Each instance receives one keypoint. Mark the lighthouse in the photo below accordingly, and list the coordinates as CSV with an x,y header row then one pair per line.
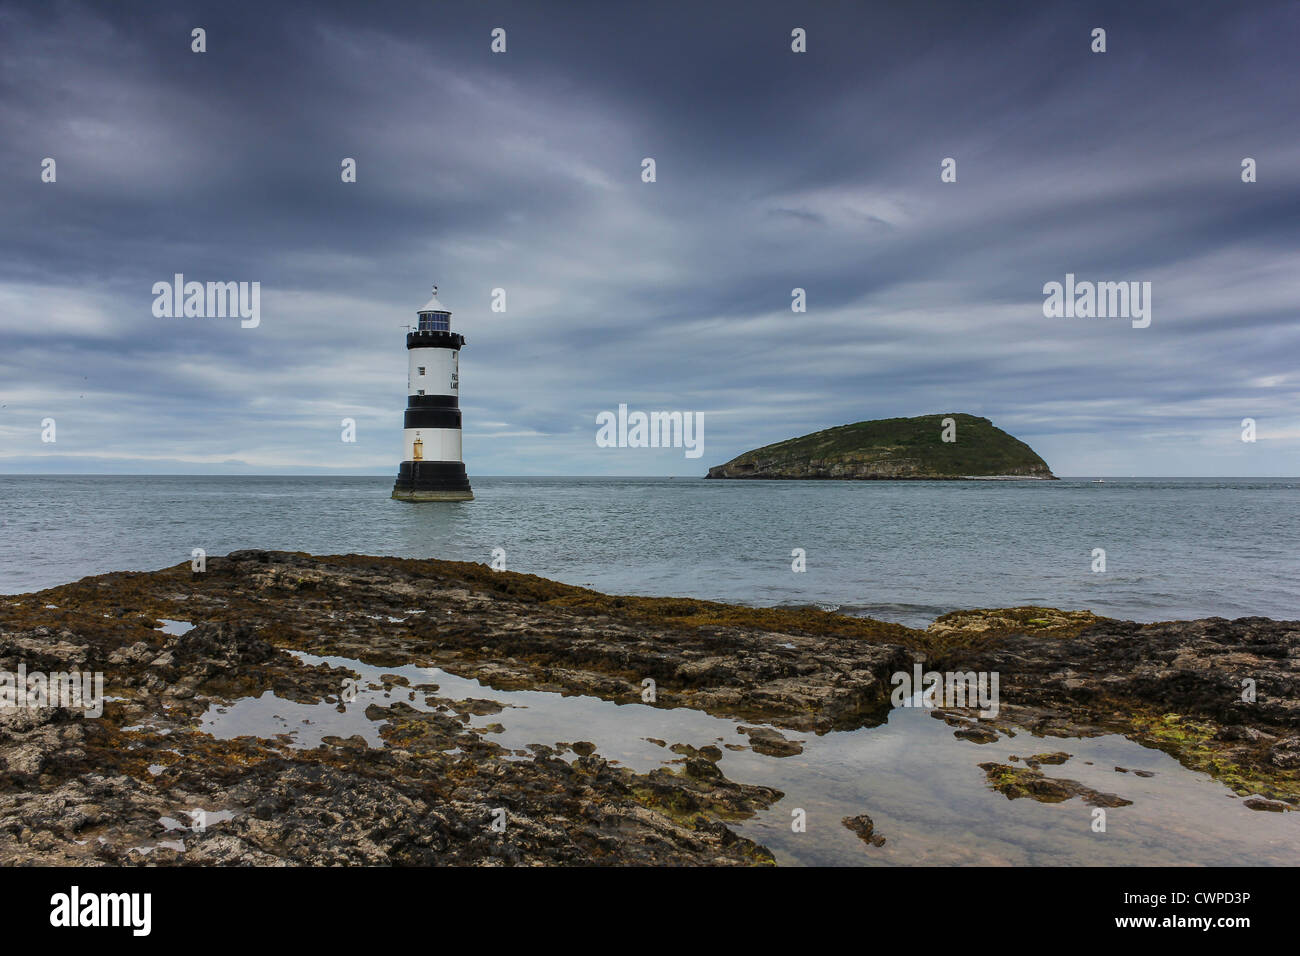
x,y
431,468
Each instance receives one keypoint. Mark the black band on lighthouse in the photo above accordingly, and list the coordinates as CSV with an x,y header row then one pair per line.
x,y
409,471
432,401
432,418
433,477
434,339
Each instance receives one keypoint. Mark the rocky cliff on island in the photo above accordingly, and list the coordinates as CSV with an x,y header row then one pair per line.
x,y
945,447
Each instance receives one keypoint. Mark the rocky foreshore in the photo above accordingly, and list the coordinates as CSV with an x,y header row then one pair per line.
x,y
108,790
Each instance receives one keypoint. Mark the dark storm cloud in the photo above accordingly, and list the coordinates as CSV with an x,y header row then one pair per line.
x,y
522,171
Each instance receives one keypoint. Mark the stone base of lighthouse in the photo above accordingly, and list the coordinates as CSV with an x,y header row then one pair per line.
x,y
432,481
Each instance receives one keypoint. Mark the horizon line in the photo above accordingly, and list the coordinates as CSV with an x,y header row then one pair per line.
x,y
143,474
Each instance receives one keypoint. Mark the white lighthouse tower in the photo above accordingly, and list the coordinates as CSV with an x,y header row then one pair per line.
x,y
431,467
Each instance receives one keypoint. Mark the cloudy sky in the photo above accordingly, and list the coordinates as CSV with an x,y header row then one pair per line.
x,y
523,171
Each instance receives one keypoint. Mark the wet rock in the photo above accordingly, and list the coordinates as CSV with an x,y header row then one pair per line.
x,y
137,653
1136,773
702,769
1242,733
1054,758
221,642
771,743
708,752
1173,685
1274,806
1017,782
976,734
1285,754
865,828
478,707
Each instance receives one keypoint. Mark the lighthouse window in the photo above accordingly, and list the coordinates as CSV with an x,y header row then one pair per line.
x,y
420,392
421,372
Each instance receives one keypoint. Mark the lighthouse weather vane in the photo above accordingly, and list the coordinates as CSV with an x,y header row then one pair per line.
x,y
431,468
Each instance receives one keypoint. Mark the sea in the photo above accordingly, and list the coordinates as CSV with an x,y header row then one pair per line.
x,y
1174,548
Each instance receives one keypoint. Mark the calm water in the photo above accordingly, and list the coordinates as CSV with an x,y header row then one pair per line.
x,y
922,787
903,551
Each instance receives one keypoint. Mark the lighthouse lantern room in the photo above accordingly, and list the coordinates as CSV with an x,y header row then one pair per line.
x,y
431,468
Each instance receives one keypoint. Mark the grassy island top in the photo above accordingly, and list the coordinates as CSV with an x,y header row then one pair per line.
x,y
893,448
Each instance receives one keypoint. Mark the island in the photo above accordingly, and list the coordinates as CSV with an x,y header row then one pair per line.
x,y
944,447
